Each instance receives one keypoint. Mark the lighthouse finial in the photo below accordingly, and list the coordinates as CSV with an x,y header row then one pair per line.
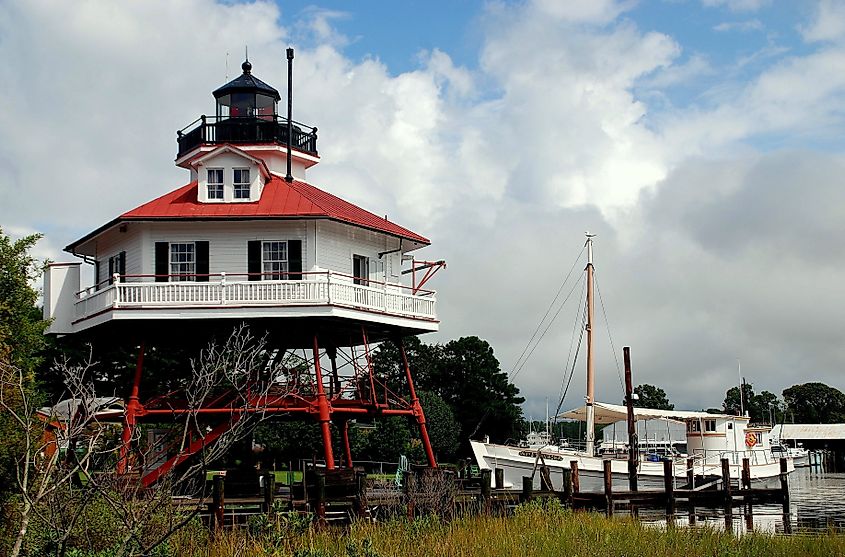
x,y
246,66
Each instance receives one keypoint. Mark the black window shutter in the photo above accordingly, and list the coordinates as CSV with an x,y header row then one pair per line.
x,y
111,270
162,257
97,274
253,264
202,261
295,259
121,267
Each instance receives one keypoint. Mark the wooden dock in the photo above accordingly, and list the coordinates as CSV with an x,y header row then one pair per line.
x,y
343,495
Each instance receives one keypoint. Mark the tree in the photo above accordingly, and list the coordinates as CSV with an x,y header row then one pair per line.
x,y
442,426
21,323
815,403
471,381
21,343
732,403
760,408
466,375
652,397
54,469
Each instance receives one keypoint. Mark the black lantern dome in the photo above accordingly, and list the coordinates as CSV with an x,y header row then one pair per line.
x,y
246,113
246,97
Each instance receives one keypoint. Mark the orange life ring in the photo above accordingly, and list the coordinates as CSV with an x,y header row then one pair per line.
x,y
750,439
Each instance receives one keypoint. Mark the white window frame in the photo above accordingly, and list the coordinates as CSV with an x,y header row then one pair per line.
x,y
218,187
709,426
241,187
182,271
274,269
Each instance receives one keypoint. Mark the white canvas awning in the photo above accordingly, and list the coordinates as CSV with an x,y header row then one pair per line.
x,y
609,413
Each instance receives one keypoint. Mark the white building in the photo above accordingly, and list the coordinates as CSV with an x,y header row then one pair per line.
x,y
239,241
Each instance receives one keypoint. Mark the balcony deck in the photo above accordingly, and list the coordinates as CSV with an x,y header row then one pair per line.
x,y
212,130
322,294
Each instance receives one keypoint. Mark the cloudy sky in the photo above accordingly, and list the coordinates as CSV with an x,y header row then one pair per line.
x,y
701,140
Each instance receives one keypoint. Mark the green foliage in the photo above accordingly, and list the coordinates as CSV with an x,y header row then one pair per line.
x,y
441,424
21,324
21,342
289,440
466,375
390,438
652,397
85,524
761,408
814,403
539,528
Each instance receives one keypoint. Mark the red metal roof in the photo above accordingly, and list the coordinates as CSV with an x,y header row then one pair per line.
x,y
279,199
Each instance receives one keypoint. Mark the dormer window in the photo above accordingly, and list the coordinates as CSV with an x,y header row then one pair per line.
x,y
241,183
215,183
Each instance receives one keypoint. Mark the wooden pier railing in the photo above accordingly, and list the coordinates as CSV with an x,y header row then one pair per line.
x,y
344,494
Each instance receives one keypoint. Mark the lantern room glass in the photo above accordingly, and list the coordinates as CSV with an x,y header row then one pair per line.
x,y
246,105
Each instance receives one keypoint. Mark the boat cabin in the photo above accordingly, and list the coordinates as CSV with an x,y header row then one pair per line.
x,y
710,436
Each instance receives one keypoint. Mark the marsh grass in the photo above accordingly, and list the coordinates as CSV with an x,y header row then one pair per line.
x,y
533,530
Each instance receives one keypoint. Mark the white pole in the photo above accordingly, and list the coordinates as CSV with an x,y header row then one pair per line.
x,y
739,373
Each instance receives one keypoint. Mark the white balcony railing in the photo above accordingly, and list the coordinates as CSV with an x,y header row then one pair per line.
x,y
324,288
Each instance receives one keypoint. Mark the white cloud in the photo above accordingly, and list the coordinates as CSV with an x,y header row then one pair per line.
x,y
737,5
741,26
828,23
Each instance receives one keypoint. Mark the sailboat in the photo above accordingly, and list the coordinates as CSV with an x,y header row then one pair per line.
x,y
710,438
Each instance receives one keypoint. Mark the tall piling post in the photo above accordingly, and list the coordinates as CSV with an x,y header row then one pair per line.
x,y
633,450
784,485
726,487
669,486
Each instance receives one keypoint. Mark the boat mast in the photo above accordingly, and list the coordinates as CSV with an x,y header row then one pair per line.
x,y
590,398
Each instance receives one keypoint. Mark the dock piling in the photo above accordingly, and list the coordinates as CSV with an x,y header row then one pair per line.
x,y
527,488
567,487
486,476
268,490
500,478
608,487
784,486
726,488
669,486
576,483
218,501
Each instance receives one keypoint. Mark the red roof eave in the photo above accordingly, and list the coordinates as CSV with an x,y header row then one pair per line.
x,y
279,200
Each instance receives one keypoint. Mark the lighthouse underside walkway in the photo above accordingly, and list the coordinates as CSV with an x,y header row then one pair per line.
x,y
329,384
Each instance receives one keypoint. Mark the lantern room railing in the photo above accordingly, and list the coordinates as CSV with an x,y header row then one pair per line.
x,y
222,290
211,130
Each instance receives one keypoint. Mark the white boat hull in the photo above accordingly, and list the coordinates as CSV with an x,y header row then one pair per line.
x,y
517,462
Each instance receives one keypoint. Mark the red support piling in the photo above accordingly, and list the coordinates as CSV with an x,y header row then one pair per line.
x,y
129,413
323,408
347,449
417,408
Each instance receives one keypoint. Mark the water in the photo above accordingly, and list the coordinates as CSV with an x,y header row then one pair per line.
x,y
817,503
